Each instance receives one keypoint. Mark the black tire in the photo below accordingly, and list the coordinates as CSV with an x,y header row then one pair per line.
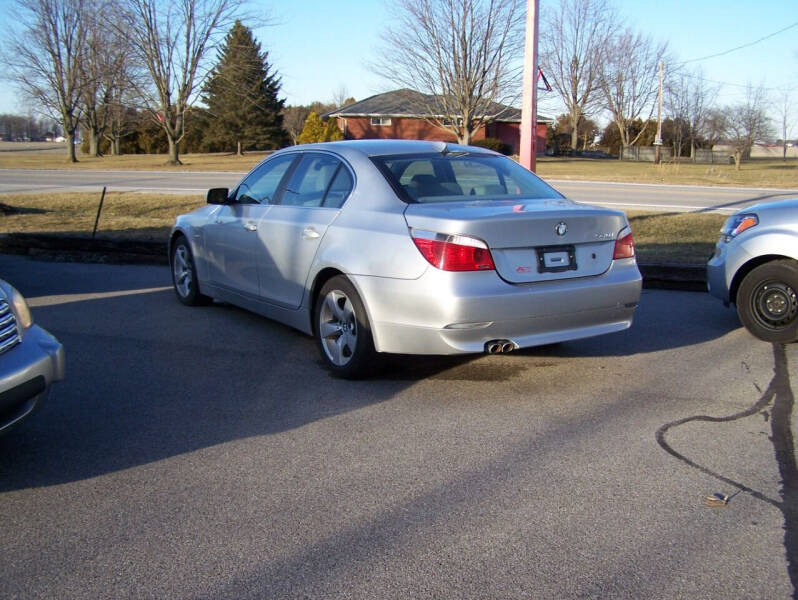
x,y
767,302
184,274
342,331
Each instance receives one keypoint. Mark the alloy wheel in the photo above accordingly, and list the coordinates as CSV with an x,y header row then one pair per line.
x,y
338,327
182,271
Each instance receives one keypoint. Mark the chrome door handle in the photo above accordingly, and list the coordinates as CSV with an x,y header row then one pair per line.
x,y
309,233
251,226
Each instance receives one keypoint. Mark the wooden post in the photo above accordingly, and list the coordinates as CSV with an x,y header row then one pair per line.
x,y
529,117
99,210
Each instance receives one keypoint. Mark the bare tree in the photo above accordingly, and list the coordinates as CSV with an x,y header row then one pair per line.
x,y
630,81
171,38
688,98
105,72
785,108
294,121
340,96
746,122
45,57
715,126
573,41
461,52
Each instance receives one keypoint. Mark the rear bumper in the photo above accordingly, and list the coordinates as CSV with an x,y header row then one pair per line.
x,y
26,373
452,313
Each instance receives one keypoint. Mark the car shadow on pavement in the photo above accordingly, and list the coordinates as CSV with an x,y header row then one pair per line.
x,y
148,378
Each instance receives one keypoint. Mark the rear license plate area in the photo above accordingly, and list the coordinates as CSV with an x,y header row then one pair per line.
x,y
556,259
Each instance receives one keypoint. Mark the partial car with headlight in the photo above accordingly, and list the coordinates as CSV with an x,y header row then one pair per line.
x,y
408,247
755,266
31,359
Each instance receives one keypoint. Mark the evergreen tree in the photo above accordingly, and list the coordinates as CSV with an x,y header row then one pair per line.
x,y
242,97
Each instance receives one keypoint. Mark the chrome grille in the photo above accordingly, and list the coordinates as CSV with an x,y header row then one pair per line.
x,y
9,334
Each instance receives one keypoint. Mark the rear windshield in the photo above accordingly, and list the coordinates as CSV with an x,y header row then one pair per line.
x,y
459,176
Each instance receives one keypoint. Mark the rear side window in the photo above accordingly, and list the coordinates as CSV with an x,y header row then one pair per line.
x,y
318,180
339,189
310,180
460,176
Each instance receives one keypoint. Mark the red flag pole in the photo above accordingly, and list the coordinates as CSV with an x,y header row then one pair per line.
x,y
529,118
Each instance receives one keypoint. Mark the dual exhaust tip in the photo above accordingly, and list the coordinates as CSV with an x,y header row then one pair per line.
x,y
499,346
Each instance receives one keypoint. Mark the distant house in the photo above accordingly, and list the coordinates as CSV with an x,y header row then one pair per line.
x,y
405,114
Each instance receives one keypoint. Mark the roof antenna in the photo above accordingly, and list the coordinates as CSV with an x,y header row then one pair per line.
x,y
442,147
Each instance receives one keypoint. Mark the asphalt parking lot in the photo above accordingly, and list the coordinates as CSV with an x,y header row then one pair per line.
x,y
205,453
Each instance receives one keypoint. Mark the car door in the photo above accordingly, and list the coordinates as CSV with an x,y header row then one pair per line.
x,y
230,237
290,234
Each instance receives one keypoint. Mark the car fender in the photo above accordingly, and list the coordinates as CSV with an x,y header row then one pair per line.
x,y
383,246
194,236
749,250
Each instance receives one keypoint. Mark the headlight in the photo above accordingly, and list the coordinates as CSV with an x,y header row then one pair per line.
x,y
19,306
736,224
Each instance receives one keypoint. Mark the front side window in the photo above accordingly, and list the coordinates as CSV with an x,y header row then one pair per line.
x,y
260,186
461,176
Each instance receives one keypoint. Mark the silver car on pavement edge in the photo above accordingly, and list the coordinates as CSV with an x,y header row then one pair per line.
x,y
755,266
30,360
408,247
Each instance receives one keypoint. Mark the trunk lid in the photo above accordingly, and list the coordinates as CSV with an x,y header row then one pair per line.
x,y
530,240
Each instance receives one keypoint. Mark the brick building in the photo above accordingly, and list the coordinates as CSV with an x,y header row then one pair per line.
x,y
406,114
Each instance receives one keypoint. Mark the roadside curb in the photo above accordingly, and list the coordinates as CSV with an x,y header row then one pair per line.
x,y
84,249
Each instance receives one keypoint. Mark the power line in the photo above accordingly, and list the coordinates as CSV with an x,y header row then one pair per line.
x,y
749,44
784,87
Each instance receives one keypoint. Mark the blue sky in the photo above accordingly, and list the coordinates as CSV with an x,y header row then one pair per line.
x,y
319,46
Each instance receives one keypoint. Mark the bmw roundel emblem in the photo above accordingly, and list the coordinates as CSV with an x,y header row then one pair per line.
x,y
560,228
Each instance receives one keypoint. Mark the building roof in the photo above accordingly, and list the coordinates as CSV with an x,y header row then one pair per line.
x,y
410,103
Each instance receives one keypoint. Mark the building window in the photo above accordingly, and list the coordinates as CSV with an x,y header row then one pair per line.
x,y
380,120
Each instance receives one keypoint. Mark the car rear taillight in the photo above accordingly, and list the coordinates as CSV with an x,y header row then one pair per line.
x,y
624,247
453,252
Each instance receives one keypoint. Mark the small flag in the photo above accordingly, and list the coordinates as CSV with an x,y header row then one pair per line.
x,y
546,85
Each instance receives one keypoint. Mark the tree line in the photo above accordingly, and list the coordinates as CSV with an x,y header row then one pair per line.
x,y
15,128
598,66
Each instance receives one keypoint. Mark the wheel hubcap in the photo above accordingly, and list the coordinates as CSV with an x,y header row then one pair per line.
x,y
775,304
338,327
181,268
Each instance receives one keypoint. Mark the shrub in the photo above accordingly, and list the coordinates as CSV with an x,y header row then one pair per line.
x,y
494,144
315,130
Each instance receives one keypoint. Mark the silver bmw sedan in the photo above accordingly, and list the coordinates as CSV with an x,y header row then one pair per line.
x,y
408,247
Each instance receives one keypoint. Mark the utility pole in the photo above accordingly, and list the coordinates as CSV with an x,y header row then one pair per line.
x,y
658,139
529,105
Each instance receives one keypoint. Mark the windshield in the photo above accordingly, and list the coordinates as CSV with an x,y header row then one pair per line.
x,y
459,176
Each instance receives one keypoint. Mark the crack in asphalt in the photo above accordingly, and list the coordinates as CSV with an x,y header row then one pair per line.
x,y
780,394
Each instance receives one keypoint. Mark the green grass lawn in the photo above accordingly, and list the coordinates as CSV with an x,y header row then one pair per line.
x,y
678,238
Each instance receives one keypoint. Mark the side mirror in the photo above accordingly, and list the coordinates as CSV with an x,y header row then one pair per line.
x,y
217,195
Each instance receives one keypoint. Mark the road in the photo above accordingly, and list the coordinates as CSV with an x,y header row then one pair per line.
x,y
205,453
627,196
